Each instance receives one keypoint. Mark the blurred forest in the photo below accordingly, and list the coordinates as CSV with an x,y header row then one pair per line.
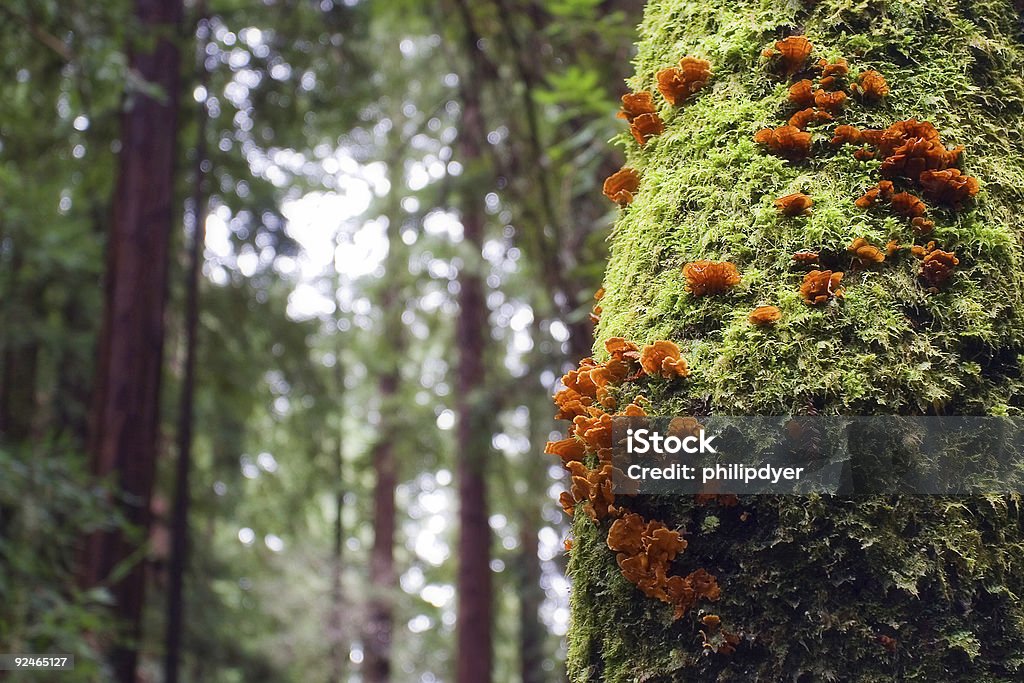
x,y
348,247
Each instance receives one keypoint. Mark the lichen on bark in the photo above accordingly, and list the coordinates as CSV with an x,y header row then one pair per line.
x,y
821,588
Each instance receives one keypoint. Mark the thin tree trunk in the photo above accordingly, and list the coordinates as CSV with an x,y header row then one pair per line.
x,y
125,414
383,578
473,435
532,632
180,512
339,653
377,656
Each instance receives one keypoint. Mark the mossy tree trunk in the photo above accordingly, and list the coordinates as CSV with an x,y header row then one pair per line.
x,y
821,588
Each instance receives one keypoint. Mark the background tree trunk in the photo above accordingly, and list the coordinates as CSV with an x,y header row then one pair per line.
x,y
336,628
377,667
178,563
821,588
473,433
126,400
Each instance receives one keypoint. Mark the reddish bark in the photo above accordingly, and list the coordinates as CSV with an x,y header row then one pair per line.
x,y
125,411
377,645
180,515
473,437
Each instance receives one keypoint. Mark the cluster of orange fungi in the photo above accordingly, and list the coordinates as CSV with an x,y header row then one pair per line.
x,y
644,122
865,252
679,82
645,548
644,551
676,84
820,286
912,153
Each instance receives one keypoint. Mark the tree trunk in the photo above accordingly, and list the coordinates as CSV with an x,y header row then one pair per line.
x,y
336,627
820,588
126,400
180,512
383,577
473,433
532,632
377,658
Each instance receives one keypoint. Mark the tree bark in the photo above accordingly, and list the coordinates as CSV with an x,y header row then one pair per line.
x,y
820,588
473,432
532,632
377,646
183,466
125,413
339,651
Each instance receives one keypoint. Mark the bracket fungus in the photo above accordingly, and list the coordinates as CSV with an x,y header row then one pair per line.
x,y
834,70
801,93
710,277
832,102
938,267
786,141
790,54
645,127
865,252
870,85
820,286
806,117
679,82
846,134
763,316
949,186
621,185
663,359
635,104
907,205
638,109
796,204
805,257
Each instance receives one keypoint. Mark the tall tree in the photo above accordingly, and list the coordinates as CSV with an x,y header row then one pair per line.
x,y
383,579
820,587
474,649
335,618
180,540
126,402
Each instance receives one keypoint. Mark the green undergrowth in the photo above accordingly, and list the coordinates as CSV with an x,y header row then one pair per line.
x,y
813,584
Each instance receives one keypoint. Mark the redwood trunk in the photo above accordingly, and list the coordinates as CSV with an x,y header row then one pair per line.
x,y
180,514
473,433
377,668
126,402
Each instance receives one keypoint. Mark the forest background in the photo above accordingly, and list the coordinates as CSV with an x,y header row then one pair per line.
x,y
285,288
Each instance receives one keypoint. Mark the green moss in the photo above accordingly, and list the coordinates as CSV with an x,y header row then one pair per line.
x,y
814,582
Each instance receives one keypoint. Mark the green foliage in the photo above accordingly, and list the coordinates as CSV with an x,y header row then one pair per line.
x,y
47,505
